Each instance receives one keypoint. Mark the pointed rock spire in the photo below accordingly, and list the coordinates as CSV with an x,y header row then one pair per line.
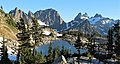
x,y
30,14
98,15
16,8
78,17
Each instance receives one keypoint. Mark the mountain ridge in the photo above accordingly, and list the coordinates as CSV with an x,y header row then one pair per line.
x,y
49,16
52,18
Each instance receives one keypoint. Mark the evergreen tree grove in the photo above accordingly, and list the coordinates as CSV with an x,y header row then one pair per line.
x,y
117,37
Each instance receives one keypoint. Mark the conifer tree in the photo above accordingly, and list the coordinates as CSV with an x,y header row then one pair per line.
x,y
78,45
63,51
36,33
110,41
50,54
1,7
39,58
25,47
4,58
56,53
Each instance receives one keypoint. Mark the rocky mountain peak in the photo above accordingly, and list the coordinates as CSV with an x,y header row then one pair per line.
x,y
85,15
18,13
16,9
79,14
30,14
78,17
81,17
50,17
98,15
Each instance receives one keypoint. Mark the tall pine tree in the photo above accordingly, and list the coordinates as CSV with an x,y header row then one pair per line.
x,y
110,41
56,53
39,58
36,34
24,52
50,54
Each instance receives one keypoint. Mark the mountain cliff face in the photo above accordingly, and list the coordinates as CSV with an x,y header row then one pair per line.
x,y
49,17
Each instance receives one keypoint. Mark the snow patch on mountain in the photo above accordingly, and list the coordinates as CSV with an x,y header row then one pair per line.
x,y
46,32
42,23
94,20
107,21
83,17
67,26
73,23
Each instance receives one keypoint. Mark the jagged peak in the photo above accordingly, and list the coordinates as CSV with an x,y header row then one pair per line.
x,y
80,17
16,8
98,15
29,12
79,14
85,14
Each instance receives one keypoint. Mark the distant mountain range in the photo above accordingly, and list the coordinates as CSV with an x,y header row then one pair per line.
x,y
91,24
51,17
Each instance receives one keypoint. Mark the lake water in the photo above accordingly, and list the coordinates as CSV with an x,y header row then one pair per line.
x,y
58,43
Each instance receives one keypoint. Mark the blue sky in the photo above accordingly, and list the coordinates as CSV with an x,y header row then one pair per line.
x,y
68,9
